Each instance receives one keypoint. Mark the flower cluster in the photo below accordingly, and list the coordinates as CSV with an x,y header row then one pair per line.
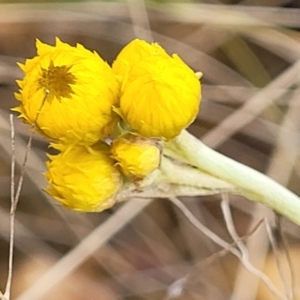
x,y
105,122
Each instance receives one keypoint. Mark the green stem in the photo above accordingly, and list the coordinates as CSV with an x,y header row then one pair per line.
x,y
172,179
248,182
174,172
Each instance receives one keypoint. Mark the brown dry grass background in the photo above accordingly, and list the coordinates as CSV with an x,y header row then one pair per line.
x,y
250,111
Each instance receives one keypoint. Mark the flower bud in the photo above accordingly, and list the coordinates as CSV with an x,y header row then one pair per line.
x,y
160,97
83,178
136,156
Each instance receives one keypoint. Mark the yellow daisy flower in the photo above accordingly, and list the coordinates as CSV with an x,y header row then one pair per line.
x,y
136,156
160,96
68,93
132,53
83,178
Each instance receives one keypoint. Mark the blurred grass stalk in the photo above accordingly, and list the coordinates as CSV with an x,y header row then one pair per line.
x,y
247,181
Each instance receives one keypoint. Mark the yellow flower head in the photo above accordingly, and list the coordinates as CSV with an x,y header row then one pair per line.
x,y
68,93
136,156
83,178
132,53
160,97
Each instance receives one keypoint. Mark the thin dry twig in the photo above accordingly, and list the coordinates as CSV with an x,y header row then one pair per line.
x,y
13,158
246,286
247,264
12,212
203,228
26,156
289,292
285,246
244,251
15,195
210,259
230,226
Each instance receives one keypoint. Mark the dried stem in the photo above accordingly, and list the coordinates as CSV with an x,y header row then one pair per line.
x,y
286,249
14,203
12,213
202,228
15,195
247,264
276,251
210,259
244,251
223,252
230,226
13,159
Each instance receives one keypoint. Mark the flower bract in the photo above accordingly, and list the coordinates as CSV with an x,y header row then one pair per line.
x,y
136,156
67,93
83,178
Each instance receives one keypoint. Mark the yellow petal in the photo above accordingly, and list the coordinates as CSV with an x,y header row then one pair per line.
x,y
68,94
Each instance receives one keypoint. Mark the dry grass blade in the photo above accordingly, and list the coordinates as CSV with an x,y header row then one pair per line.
x,y
252,108
139,18
84,249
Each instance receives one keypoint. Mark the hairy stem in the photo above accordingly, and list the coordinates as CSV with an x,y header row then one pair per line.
x,y
248,182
